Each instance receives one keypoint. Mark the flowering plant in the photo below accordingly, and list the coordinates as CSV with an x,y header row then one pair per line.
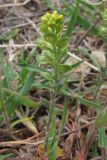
x,y
54,47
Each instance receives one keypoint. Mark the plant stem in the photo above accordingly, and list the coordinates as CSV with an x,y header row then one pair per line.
x,y
51,119
51,113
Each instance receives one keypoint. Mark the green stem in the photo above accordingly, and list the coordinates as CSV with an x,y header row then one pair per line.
x,y
50,139
51,112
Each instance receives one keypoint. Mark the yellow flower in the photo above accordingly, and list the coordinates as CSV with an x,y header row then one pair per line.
x,y
44,18
60,17
59,152
47,14
51,26
41,151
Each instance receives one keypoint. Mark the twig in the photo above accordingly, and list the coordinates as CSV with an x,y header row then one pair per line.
x,y
22,142
33,24
14,4
76,130
95,4
17,45
33,45
8,133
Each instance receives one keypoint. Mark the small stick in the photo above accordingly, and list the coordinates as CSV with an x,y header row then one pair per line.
x,y
33,45
76,130
33,24
17,45
14,4
22,142
95,4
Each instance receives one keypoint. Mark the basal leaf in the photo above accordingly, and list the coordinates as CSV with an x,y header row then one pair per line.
x,y
23,99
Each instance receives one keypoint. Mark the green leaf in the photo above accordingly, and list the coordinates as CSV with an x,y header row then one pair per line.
x,y
73,19
43,85
64,91
4,157
102,137
85,23
20,121
23,100
33,68
87,11
13,102
62,53
6,70
51,38
63,120
41,43
64,68
6,36
88,103
48,76
1,105
63,42
102,118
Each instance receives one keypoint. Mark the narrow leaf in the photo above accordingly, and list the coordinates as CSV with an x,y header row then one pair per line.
x,y
23,100
88,103
64,68
102,118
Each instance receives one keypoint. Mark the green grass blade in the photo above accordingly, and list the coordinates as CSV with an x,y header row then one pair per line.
x,y
63,120
73,19
88,103
102,138
23,100
4,157
102,118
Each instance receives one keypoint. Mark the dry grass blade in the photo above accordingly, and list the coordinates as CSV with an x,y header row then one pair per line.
x,y
29,124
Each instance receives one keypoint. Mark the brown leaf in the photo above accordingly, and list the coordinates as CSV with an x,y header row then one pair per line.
x,y
90,137
79,156
69,142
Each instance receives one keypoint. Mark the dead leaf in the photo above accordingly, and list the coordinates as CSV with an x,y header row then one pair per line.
x,y
69,141
90,137
97,49
103,90
99,55
79,156
41,151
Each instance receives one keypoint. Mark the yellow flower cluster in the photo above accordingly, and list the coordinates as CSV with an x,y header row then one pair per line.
x,y
51,23
52,17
